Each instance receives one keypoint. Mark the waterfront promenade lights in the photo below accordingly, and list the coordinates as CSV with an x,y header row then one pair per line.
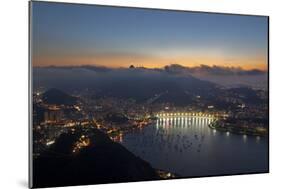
x,y
185,114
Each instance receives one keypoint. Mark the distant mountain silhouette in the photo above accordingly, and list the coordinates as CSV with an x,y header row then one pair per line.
x,y
103,161
69,78
139,84
55,96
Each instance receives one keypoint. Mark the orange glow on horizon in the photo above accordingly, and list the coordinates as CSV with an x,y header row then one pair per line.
x,y
246,63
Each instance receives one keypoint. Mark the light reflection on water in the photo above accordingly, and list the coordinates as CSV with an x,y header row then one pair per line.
x,y
188,147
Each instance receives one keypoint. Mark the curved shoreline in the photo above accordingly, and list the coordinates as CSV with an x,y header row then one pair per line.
x,y
237,131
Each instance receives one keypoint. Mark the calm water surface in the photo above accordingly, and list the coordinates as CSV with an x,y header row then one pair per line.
x,y
188,147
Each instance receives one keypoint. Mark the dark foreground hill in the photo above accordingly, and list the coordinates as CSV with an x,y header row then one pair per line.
x,y
103,161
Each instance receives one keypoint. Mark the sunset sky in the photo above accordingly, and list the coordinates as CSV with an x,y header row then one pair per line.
x,y
68,34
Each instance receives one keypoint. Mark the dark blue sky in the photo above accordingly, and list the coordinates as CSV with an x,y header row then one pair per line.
x,y
65,34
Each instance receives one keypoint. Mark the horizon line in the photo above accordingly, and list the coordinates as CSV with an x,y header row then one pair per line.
x,y
144,67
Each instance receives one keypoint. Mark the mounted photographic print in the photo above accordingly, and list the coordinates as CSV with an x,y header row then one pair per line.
x,y
122,94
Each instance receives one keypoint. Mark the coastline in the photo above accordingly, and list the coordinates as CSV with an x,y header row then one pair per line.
x,y
237,130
